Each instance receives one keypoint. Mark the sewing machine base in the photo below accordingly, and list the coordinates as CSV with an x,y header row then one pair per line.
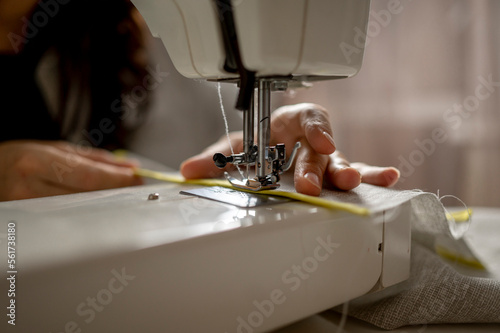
x,y
114,261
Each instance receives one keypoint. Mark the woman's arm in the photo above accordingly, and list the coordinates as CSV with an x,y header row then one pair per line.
x,y
31,169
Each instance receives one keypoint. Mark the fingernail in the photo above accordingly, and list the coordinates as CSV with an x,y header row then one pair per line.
x,y
329,137
338,167
313,179
343,167
391,177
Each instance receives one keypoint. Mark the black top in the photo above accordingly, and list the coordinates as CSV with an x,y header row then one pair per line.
x,y
24,114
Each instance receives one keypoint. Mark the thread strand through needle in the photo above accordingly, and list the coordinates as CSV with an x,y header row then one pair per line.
x,y
227,127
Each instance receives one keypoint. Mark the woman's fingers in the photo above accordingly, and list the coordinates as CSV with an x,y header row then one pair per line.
x,y
346,176
340,174
380,176
76,173
203,166
36,169
295,122
316,161
309,170
95,154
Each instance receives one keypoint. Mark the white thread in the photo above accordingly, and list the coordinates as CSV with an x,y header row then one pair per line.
x,y
343,319
227,127
457,231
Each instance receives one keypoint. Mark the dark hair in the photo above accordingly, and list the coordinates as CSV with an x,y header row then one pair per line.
x,y
100,45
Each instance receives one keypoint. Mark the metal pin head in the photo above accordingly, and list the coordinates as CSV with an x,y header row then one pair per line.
x,y
154,196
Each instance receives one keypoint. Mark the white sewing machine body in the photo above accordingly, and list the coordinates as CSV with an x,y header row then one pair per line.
x,y
321,38
114,261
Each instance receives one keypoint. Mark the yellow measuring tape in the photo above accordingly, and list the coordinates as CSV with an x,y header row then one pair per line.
x,y
352,208
458,216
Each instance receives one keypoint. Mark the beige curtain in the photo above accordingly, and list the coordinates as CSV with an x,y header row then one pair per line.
x,y
422,100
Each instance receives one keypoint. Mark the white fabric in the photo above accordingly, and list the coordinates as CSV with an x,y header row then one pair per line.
x,y
437,291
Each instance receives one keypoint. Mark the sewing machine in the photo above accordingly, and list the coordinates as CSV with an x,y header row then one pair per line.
x,y
265,46
151,259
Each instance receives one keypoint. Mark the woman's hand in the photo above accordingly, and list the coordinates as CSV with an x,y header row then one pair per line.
x,y
30,169
317,159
